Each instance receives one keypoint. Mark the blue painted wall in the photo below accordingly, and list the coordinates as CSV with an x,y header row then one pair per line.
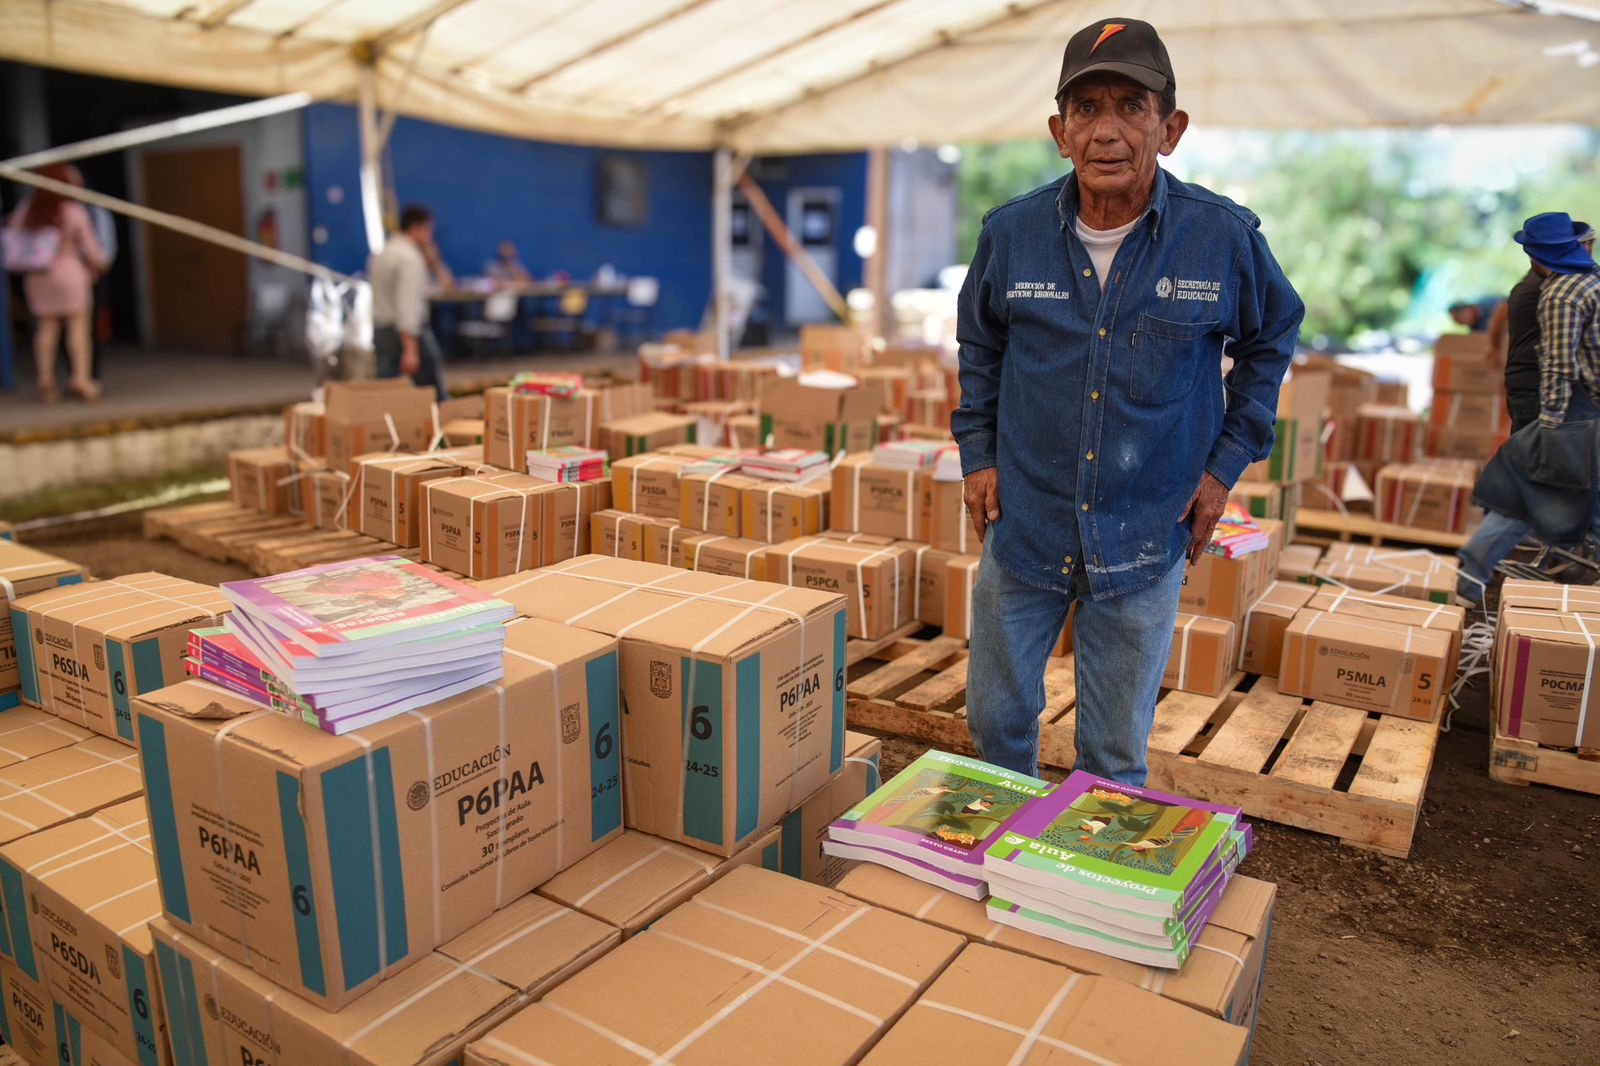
x,y
847,171
485,188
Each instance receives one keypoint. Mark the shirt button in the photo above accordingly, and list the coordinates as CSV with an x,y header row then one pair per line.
x,y
1095,395
1104,331
1084,506
1066,569
1068,559
1089,455
1088,273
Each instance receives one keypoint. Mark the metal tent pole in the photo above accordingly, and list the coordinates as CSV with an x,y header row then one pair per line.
x,y
371,156
721,247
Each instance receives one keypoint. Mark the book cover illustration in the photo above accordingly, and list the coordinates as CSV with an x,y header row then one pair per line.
x,y
1114,826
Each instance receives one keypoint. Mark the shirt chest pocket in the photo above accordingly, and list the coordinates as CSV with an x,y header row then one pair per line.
x,y
1166,358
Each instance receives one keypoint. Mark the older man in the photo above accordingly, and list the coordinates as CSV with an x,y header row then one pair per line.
x,y
1099,437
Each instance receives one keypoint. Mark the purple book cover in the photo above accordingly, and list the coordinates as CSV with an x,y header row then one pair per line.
x,y
934,874
224,679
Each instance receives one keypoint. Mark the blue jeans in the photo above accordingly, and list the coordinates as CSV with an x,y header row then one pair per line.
x,y
1490,543
1122,645
386,347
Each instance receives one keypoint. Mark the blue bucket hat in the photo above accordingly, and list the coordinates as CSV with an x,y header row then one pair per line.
x,y
1551,240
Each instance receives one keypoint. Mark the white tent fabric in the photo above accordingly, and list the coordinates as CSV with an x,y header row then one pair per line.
x,y
774,76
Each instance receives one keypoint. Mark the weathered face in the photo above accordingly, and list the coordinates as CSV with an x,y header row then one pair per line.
x,y
1112,130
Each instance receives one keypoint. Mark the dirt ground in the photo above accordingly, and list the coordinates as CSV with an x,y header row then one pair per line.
x,y
1481,949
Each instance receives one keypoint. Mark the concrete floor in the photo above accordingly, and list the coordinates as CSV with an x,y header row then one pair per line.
x,y
144,387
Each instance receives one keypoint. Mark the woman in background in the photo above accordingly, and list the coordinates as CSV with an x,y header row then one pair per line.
x,y
61,295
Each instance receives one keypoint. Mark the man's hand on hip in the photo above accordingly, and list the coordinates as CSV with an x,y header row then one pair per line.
x,y
1207,503
981,491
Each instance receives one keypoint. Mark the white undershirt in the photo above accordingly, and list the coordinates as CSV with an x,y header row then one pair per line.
x,y
1102,245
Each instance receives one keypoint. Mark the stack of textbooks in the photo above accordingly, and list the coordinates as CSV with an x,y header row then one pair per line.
x,y
1236,533
354,643
948,468
909,454
934,819
547,383
567,463
1124,871
787,464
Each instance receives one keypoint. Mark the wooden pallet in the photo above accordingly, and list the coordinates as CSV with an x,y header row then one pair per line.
x,y
1333,770
266,544
1522,762
1310,521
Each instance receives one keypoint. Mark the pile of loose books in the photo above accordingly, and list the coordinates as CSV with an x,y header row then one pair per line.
x,y
934,819
786,464
353,643
909,454
566,464
1128,872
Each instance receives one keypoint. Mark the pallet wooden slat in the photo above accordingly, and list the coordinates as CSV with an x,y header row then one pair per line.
x,y
1252,732
1395,766
940,689
1317,752
1344,526
903,669
1180,716
1514,761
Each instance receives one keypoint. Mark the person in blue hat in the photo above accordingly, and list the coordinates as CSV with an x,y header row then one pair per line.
x,y
1563,285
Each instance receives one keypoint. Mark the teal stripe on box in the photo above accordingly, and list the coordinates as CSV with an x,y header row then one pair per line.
x,y
69,1033
769,858
70,579
747,817
302,893
163,817
361,866
605,735
874,775
702,751
183,1008
792,828
5,1016
23,636
836,752
148,673
5,929
10,700
121,685
142,1006
16,904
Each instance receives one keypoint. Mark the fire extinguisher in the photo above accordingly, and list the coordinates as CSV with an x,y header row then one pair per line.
x,y
267,228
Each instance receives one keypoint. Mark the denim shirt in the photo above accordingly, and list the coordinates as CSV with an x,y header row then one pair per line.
x,y
1102,409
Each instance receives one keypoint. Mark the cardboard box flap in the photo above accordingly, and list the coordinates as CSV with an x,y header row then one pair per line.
x,y
102,863
1283,598
20,565
200,700
626,878
1549,596
1050,1015
1245,906
1390,608
1369,631
533,642
498,945
65,784
1568,628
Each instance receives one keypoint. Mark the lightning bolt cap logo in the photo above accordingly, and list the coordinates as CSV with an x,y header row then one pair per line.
x,y
1109,30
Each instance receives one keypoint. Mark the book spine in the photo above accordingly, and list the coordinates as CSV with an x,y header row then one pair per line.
x,y
214,655
224,679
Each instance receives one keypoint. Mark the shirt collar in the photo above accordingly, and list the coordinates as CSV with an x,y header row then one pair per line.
x,y
1067,202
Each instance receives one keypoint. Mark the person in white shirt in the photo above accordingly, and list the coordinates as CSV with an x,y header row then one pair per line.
x,y
401,339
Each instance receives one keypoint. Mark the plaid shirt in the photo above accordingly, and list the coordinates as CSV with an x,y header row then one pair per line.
x,y
1569,341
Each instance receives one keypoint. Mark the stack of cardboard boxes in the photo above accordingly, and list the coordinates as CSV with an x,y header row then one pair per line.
x,y
1214,607
1542,664
1433,494
1272,488
1469,419
24,571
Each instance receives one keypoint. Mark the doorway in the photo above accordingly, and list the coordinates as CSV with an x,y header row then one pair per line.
x,y
197,291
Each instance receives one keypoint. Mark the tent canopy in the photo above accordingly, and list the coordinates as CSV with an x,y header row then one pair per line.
x,y
774,76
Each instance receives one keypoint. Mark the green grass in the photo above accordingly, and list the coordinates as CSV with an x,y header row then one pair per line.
x,y
78,498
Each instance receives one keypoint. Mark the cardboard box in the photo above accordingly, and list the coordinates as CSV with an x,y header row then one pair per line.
x,y
85,651
1464,442
648,484
1298,562
1543,673
949,527
685,990
637,878
626,437
1547,596
806,827
360,414
825,420
24,571
463,431
66,783
1435,584
875,577
84,1046
776,511
622,535
1388,434
1202,657
388,496
711,503
305,432
880,500
734,688
712,553
1372,665
90,887
1394,393
271,836
329,495
27,733
842,348
1465,362
1054,1013
27,1016
263,479
1220,981
487,527
961,575
1485,412
1297,445
929,576
1445,618
1425,497
744,431
1260,499
222,1013
1261,636
1225,588
714,419
516,423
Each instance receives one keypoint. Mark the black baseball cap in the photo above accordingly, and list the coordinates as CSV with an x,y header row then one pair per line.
x,y
1117,46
